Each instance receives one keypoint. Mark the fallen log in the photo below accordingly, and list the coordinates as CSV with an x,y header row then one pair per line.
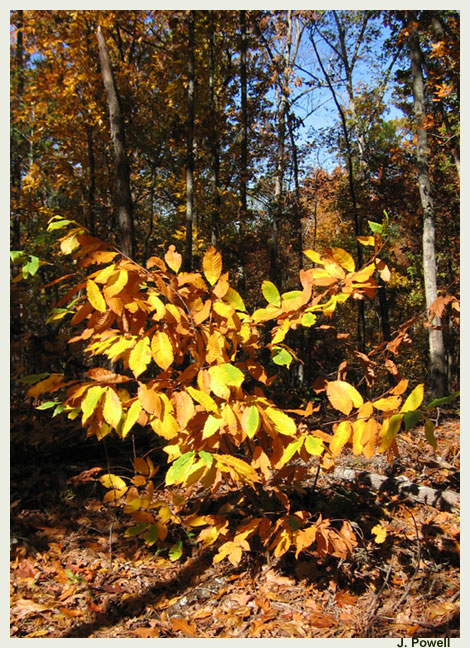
x,y
442,499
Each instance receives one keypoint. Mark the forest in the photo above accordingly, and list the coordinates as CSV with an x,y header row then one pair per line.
x,y
234,323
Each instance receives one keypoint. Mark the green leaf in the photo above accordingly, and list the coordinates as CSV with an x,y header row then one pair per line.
x,y
281,357
291,294
442,401
151,536
206,457
180,468
290,450
308,319
314,445
391,433
60,223
429,432
375,227
271,293
57,314
16,255
411,418
224,375
33,378
250,421
234,299
414,400
90,402
135,530
294,522
176,551
47,405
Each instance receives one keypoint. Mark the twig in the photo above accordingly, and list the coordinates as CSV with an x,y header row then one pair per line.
x,y
376,601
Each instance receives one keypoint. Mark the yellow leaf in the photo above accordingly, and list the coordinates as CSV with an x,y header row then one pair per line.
x,y
113,481
343,396
380,533
283,423
239,466
304,538
314,256
414,400
50,384
340,438
112,408
131,417
162,351
366,240
116,283
358,432
212,265
364,274
184,408
203,399
150,400
343,258
211,426
158,306
95,297
140,357
388,403
173,259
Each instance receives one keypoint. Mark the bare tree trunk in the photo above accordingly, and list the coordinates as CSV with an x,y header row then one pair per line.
x,y
16,168
124,199
92,181
436,340
214,143
188,252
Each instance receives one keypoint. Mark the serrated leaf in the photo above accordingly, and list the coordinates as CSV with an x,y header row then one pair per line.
x,y
343,258
308,319
281,357
271,293
131,418
387,404
95,297
414,400
343,396
411,418
47,405
223,376
390,429
282,422
212,265
203,399
429,432
116,283
140,356
234,299
90,402
180,468
340,438
211,426
380,533
176,551
314,445
375,227
112,408
162,350
206,457
113,481
290,451
250,421
173,259
131,532
442,401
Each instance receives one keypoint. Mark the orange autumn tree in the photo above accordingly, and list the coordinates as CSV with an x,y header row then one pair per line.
x,y
180,354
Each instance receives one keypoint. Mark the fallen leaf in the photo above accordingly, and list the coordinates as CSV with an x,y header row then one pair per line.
x,y
146,633
24,607
183,626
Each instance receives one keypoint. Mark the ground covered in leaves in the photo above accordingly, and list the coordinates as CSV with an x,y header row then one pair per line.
x,y
74,574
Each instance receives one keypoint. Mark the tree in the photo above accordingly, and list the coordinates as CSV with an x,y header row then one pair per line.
x,y
123,189
436,340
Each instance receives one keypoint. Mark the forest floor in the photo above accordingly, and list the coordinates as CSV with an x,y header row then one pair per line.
x,y
75,574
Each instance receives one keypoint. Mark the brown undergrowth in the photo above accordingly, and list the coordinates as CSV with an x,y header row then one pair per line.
x,y
74,574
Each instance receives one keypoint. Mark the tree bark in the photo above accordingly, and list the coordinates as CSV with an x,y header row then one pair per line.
x,y
16,168
214,142
436,340
123,189
188,252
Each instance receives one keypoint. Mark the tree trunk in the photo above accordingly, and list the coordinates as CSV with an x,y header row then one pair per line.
x,y
188,252
124,199
436,340
16,168
92,181
214,143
